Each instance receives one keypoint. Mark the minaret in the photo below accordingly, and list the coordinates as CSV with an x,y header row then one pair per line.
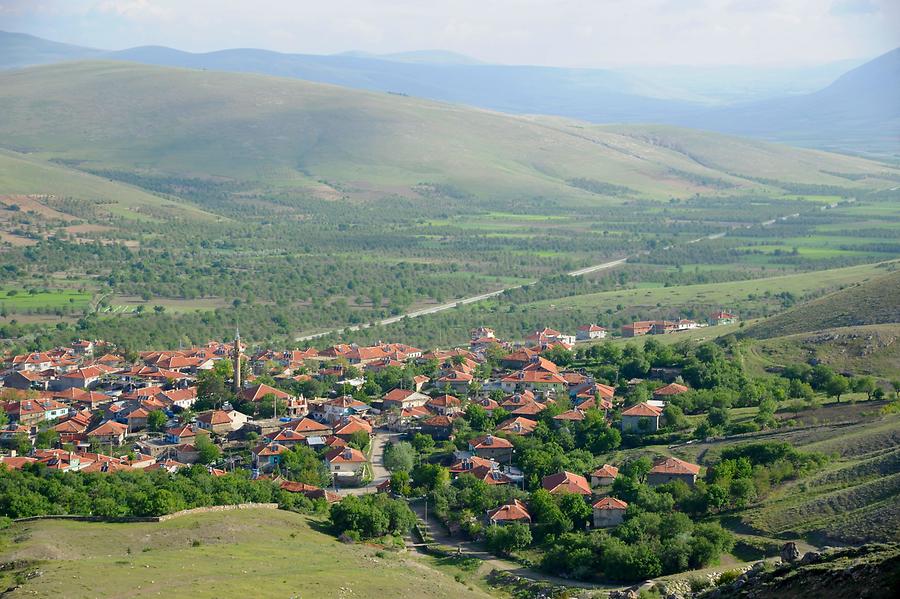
x,y
237,360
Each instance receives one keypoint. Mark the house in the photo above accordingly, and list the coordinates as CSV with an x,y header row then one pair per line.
x,y
25,379
404,398
641,418
220,421
181,434
439,427
180,398
519,359
419,381
604,476
590,331
530,410
335,409
566,482
457,380
534,377
663,327
346,464
34,362
470,463
517,426
548,336
82,378
722,318
268,455
637,329
671,469
109,433
307,427
665,392
492,447
349,426
311,491
187,453
445,405
33,411
569,416
137,419
513,511
609,511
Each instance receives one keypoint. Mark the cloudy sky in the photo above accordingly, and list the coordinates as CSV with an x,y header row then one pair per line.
x,y
594,33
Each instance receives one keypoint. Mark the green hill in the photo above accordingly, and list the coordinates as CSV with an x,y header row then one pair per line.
x,y
247,553
332,141
870,302
872,349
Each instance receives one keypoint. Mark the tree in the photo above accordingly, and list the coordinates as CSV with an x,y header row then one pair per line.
x,y
836,386
400,483
360,440
675,417
895,385
301,464
156,420
576,509
865,384
547,515
399,457
503,540
208,450
46,439
478,417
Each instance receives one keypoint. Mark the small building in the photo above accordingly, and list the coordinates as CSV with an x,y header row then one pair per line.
x,y
439,427
665,392
492,447
109,433
641,418
721,318
508,513
403,399
517,426
346,464
609,511
268,455
637,329
566,482
604,476
589,332
671,469
445,405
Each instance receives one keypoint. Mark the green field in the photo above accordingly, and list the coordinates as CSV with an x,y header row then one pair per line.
x,y
21,299
247,553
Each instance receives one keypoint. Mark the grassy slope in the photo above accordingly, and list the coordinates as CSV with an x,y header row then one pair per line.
x,y
252,553
870,302
872,349
295,133
23,175
722,294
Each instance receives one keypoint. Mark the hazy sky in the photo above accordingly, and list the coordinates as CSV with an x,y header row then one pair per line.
x,y
550,32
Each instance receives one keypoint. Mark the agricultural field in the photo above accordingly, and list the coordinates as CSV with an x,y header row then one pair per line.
x,y
241,553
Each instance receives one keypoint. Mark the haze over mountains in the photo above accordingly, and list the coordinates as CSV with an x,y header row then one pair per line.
x,y
858,113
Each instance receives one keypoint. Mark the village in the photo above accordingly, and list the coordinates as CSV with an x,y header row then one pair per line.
x,y
85,408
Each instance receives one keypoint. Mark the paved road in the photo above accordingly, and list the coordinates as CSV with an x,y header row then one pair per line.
x,y
379,472
574,273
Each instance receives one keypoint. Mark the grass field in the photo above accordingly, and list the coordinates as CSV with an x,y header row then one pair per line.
x,y
248,553
749,293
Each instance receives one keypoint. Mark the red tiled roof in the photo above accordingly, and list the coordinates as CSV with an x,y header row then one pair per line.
x,y
642,409
606,471
674,466
671,389
610,503
566,482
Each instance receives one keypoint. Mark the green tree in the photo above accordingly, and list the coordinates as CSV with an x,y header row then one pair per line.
x,y
156,420
865,384
301,464
400,483
836,386
503,540
576,509
399,457
209,451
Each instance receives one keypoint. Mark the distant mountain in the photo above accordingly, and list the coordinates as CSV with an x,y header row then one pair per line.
x,y
858,112
22,50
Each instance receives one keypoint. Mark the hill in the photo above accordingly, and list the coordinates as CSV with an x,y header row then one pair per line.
x,y
859,111
295,134
247,553
22,50
872,349
870,302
